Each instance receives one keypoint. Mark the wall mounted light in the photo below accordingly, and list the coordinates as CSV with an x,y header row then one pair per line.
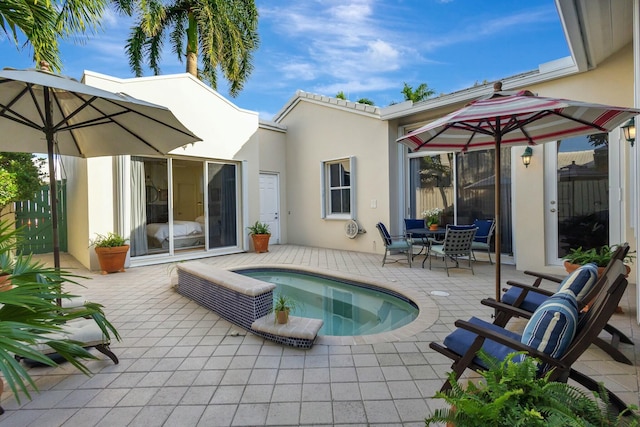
x,y
629,130
526,156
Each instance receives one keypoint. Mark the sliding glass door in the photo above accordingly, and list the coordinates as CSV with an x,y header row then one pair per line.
x,y
173,211
222,191
462,185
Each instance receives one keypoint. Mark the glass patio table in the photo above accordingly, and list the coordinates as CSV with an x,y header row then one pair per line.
x,y
424,234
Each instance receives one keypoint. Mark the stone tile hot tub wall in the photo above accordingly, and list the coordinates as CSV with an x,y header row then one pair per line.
x,y
244,301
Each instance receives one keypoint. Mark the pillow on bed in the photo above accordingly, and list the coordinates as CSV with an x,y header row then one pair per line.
x,y
200,219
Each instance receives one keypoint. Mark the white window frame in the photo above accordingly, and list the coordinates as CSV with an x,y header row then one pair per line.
x,y
325,189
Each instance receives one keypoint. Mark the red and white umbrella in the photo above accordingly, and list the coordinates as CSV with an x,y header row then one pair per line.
x,y
513,118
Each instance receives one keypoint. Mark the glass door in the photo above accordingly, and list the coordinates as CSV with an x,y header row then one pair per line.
x,y
577,213
222,201
188,204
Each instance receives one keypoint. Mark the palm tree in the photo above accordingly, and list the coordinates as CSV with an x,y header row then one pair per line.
x,y
421,93
222,32
44,22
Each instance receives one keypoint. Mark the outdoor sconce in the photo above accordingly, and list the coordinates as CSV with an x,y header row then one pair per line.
x,y
629,130
526,156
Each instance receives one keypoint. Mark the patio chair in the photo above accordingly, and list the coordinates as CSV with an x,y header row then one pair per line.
x,y
416,238
401,243
545,336
456,245
529,297
482,240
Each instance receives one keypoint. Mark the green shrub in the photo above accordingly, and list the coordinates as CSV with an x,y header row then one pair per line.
x,y
111,240
259,228
512,394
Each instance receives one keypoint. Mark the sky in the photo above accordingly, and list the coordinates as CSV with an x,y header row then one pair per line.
x,y
364,48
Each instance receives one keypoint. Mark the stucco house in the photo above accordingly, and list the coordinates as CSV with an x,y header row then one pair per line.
x,y
322,162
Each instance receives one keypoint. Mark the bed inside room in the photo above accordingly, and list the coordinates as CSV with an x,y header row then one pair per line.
x,y
186,234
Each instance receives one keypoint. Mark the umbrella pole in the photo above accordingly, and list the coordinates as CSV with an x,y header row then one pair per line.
x,y
52,177
52,182
498,139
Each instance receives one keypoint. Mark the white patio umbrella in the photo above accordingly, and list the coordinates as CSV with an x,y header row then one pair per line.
x,y
41,112
513,118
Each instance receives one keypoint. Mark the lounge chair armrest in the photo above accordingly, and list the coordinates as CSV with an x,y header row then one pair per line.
x,y
507,308
544,276
509,342
531,288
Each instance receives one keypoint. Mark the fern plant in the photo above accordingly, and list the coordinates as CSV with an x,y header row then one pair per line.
x,y
511,394
600,256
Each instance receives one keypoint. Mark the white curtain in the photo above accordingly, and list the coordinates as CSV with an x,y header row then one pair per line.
x,y
138,240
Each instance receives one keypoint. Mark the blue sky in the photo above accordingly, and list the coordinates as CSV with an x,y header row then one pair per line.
x,y
365,48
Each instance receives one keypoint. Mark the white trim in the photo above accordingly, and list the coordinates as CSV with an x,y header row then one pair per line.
x,y
617,173
324,185
244,205
323,191
634,157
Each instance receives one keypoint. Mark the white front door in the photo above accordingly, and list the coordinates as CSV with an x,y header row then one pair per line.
x,y
270,204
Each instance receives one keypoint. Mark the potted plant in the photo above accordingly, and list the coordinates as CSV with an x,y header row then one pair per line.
x,y
432,217
112,252
260,235
600,256
511,393
282,305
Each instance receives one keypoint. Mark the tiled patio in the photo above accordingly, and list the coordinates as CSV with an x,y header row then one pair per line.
x,y
181,365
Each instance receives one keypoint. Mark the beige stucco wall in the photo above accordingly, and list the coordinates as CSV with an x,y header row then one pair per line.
x,y
315,133
272,159
228,133
609,84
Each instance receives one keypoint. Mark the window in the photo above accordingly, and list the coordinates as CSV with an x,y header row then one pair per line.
x,y
338,188
463,185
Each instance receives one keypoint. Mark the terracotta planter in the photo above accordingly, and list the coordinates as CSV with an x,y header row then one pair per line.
x,y
282,317
261,242
570,268
5,282
112,259
433,227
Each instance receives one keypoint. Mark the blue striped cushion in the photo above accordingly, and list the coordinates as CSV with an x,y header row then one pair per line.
x,y
553,325
580,281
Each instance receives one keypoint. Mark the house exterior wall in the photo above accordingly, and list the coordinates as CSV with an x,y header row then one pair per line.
x,y
228,133
610,83
312,131
318,132
272,159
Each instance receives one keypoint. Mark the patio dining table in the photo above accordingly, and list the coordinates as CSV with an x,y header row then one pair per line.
x,y
424,234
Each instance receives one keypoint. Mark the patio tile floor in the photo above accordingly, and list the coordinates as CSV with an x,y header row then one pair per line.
x,y
182,365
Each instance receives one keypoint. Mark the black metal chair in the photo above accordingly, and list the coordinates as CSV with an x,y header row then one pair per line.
x,y
456,244
399,243
482,240
417,239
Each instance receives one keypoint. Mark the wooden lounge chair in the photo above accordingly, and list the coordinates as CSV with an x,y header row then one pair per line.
x,y
462,345
529,297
